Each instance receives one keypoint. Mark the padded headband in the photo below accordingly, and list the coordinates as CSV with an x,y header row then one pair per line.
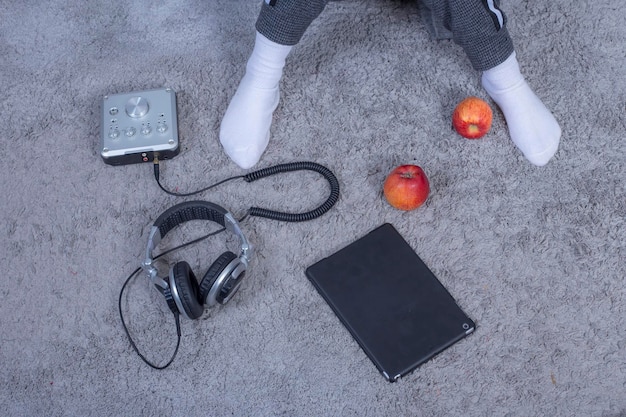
x,y
187,211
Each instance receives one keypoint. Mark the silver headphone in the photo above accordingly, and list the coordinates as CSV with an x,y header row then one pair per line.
x,y
183,292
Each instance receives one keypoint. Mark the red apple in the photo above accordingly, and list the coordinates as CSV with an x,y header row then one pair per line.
x,y
406,187
472,118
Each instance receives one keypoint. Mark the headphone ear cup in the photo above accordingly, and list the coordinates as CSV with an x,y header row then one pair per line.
x,y
188,291
213,273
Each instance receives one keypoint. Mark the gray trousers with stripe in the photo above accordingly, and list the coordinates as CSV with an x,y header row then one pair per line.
x,y
478,26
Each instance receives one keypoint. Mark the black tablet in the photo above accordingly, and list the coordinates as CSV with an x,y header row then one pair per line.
x,y
392,304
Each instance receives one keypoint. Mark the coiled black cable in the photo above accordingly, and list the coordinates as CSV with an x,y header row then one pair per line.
x,y
269,171
296,166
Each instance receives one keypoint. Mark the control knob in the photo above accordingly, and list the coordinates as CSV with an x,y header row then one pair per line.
x,y
137,107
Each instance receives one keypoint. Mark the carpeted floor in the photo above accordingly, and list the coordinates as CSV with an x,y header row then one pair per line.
x,y
536,256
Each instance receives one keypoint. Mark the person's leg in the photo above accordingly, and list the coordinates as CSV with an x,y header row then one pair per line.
x,y
433,20
245,128
479,27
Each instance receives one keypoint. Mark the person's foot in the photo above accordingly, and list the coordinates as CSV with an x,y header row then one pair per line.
x,y
532,127
245,128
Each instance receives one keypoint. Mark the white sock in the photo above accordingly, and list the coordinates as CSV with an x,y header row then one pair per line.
x,y
532,127
245,128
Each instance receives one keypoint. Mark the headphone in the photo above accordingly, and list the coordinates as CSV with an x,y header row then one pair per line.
x,y
182,291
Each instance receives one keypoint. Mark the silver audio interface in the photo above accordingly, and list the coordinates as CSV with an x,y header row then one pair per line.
x,y
138,125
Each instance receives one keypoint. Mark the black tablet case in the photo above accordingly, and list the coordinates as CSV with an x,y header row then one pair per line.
x,y
392,304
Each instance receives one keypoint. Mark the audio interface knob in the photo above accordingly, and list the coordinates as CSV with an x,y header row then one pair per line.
x,y
137,107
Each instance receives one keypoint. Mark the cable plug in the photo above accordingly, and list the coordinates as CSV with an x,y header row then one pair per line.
x,y
155,164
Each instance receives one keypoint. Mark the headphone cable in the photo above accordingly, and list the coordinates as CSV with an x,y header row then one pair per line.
x,y
157,175
176,316
130,339
266,172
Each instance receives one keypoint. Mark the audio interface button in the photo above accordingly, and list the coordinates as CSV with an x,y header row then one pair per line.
x,y
162,128
131,131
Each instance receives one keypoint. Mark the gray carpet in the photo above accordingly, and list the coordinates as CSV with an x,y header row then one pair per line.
x,y
536,256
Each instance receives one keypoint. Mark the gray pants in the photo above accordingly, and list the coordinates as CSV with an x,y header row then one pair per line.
x,y
478,26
